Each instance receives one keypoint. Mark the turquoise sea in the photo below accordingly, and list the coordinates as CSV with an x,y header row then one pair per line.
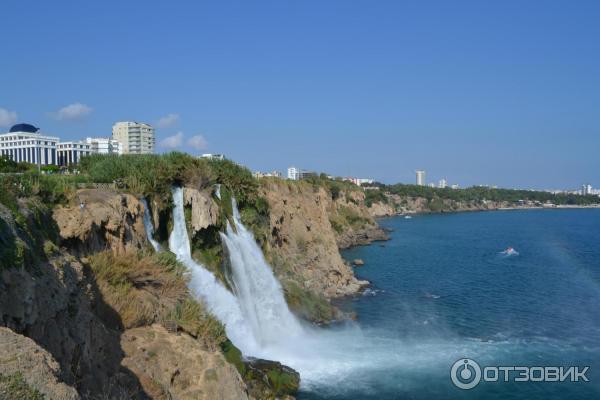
x,y
442,290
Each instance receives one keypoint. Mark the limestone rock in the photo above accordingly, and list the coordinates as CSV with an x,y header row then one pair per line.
x,y
101,219
303,240
205,211
40,371
358,262
176,366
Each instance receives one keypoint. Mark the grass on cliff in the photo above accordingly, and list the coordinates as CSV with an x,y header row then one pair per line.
x,y
145,289
346,217
13,387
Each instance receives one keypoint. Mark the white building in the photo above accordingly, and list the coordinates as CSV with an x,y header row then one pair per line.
x,y
136,137
209,156
293,173
272,174
105,145
442,184
586,189
359,181
297,174
70,153
420,177
23,143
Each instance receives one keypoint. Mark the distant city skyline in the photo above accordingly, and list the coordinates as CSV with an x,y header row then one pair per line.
x,y
501,93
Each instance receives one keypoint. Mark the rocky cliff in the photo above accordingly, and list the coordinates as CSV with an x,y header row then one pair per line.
x,y
303,243
396,204
109,319
307,227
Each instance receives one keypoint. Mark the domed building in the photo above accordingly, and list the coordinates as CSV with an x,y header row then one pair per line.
x,y
24,143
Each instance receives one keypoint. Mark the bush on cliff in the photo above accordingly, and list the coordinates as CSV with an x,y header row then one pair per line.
x,y
144,289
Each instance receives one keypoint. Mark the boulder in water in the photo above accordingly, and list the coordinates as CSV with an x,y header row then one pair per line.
x,y
358,262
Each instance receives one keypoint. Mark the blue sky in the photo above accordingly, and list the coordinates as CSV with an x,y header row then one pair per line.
x,y
504,93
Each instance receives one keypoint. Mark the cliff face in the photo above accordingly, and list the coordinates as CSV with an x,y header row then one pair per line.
x,y
97,220
303,244
80,326
352,222
409,205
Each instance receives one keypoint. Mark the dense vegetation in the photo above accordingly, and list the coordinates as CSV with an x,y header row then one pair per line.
x,y
148,288
480,193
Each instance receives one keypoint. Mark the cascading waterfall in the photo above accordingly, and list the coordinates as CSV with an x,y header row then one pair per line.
x,y
258,291
258,321
220,301
149,227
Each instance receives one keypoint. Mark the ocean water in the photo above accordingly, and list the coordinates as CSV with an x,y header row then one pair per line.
x,y
442,291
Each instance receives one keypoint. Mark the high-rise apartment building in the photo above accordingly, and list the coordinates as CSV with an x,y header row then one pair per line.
x,y
420,177
293,173
135,137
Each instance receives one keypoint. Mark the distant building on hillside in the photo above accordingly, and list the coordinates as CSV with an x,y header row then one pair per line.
x,y
70,153
442,184
420,177
105,145
586,189
136,137
293,173
24,143
209,156
296,174
359,181
272,174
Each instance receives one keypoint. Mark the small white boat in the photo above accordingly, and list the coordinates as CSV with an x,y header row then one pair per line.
x,y
510,252
407,217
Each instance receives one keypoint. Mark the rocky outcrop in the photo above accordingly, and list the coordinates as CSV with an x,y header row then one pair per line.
x,y
175,366
380,209
352,222
418,205
205,212
303,243
22,357
97,220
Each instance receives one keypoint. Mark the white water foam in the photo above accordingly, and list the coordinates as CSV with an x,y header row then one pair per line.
x,y
220,301
149,227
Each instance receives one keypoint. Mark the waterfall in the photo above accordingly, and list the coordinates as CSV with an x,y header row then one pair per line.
x,y
258,291
257,319
149,227
205,286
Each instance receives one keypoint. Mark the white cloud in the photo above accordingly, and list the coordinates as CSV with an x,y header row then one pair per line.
x,y
72,112
197,142
7,118
172,142
168,121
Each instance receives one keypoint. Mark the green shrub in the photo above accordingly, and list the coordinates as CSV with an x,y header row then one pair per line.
x,y
15,387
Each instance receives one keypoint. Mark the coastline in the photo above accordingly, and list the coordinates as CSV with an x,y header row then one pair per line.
x,y
461,210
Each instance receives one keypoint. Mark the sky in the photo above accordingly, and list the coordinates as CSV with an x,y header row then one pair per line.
x,y
502,93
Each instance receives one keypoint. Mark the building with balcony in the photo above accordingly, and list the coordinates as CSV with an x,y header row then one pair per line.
x,y
135,137
105,145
